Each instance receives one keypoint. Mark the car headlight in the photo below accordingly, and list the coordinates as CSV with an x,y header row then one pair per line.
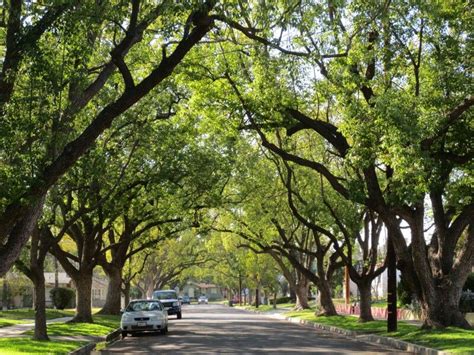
x,y
175,304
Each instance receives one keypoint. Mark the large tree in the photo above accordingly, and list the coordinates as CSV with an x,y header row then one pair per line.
x,y
75,93
387,88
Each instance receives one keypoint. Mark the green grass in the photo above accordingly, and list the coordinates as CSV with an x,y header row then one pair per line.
x,y
29,346
102,325
27,315
286,305
6,322
261,308
450,339
265,308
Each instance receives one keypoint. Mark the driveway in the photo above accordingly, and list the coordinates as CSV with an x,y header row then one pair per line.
x,y
208,329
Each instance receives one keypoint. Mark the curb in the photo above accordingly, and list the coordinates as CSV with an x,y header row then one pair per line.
x,y
367,338
88,348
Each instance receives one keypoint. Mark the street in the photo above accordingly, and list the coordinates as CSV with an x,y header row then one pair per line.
x,y
208,329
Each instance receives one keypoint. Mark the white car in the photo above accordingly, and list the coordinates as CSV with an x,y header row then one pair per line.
x,y
202,299
144,316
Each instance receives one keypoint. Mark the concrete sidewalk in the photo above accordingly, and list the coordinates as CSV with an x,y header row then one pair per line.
x,y
14,331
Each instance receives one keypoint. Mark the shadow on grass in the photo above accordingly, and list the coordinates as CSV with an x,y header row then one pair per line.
x,y
449,339
25,345
102,326
29,314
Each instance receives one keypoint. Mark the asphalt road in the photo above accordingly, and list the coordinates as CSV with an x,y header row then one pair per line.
x,y
208,329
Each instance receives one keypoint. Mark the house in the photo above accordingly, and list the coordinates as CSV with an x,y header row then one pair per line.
x,y
196,289
99,287
50,281
99,291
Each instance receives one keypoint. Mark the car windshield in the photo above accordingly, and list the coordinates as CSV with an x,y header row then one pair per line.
x,y
139,306
164,295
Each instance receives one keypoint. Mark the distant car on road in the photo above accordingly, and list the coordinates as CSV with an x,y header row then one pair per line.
x,y
144,316
186,300
169,299
203,299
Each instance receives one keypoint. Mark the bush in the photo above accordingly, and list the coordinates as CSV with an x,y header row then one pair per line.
x,y
281,300
466,303
469,285
61,297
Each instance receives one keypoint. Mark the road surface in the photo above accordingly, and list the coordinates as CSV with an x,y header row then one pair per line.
x,y
218,329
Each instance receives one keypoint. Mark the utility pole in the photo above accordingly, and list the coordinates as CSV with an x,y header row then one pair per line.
x,y
257,296
347,288
240,288
391,286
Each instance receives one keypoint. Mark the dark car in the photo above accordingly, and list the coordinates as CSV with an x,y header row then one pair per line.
x,y
169,299
186,300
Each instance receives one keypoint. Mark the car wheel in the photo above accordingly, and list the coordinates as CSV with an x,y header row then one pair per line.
x,y
163,331
124,334
179,316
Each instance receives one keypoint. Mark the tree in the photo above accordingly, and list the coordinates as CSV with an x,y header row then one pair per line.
x,y
89,98
34,269
360,230
169,261
392,102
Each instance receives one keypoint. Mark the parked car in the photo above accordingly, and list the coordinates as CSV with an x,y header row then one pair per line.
x,y
169,299
203,299
144,316
186,300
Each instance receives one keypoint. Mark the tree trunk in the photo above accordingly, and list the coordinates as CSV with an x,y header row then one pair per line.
x,y
292,293
365,301
113,298
149,291
325,299
442,309
83,298
126,292
301,291
41,330
20,231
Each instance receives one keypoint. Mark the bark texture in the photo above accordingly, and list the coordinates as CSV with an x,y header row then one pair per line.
x,y
41,330
365,304
83,284
325,299
301,291
113,298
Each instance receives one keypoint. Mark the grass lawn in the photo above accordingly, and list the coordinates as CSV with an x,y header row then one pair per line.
x,y
450,339
6,322
265,308
261,308
102,325
26,345
27,315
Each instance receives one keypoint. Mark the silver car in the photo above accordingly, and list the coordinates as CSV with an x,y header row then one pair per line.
x,y
144,316
202,299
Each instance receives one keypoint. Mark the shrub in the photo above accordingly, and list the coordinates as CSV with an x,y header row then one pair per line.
x,y
61,297
281,300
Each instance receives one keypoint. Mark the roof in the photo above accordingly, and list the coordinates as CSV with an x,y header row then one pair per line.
x,y
204,285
